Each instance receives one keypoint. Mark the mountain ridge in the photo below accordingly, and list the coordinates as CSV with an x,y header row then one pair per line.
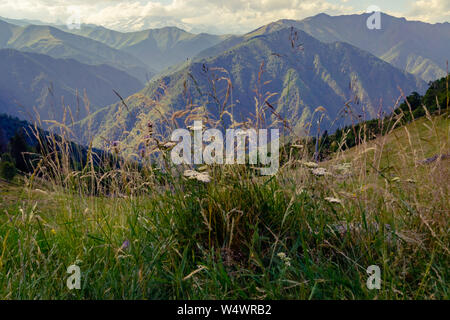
x,y
306,76
159,48
382,43
35,80
60,44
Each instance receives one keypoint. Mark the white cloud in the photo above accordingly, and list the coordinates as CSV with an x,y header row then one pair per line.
x,y
229,16
430,10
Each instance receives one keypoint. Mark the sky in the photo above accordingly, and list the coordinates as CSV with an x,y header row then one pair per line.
x,y
213,16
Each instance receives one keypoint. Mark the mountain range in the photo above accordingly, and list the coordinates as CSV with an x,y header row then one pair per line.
x,y
303,76
59,44
417,47
334,63
158,48
31,80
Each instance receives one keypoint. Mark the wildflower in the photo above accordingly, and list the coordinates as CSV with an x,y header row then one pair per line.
x,y
199,176
168,145
320,172
310,165
190,173
333,200
286,260
281,255
203,177
53,231
125,245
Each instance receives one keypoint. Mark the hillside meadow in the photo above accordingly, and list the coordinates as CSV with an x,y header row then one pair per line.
x,y
310,232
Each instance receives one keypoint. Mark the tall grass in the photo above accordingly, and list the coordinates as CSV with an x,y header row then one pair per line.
x,y
141,230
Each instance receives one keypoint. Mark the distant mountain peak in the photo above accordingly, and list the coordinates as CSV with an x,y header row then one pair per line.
x,y
417,47
159,48
322,15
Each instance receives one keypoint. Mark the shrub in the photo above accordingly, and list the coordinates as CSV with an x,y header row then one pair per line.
x,y
18,145
6,157
7,170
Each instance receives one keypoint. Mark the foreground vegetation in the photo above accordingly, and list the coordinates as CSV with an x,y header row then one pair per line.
x,y
310,232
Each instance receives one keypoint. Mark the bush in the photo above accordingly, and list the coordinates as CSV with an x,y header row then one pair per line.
x,y
6,157
18,145
7,170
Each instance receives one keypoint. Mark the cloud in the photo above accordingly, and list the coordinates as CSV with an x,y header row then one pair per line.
x,y
430,10
215,16
229,16
226,15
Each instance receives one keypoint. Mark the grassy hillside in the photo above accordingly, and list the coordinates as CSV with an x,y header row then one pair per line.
x,y
434,101
296,235
309,232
